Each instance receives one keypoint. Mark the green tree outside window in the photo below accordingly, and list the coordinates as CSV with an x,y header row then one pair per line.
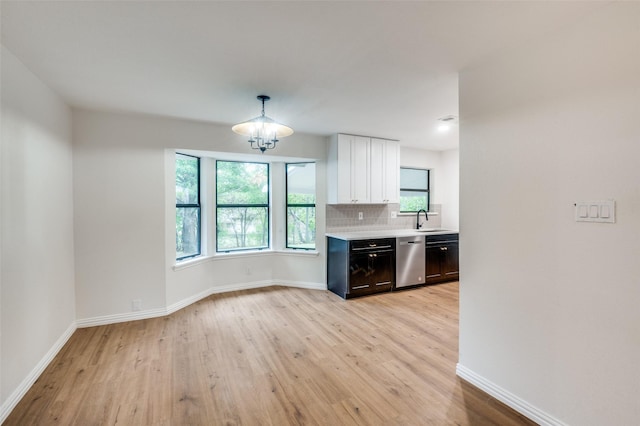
x,y
187,206
242,205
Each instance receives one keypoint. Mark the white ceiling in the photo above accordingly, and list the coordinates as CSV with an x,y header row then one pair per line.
x,y
385,69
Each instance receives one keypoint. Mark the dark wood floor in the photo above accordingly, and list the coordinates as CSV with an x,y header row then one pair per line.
x,y
273,356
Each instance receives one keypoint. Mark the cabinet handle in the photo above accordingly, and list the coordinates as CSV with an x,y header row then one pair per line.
x,y
443,249
384,283
358,287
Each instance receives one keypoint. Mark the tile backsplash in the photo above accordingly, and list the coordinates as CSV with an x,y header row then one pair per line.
x,y
344,217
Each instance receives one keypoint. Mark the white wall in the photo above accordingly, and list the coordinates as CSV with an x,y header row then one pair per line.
x,y
449,188
444,166
549,307
125,215
37,265
119,191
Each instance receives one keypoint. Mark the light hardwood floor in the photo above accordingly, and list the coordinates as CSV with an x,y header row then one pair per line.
x,y
273,356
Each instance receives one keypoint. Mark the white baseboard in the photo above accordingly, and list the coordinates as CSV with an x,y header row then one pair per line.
x,y
116,318
506,397
174,307
25,385
298,284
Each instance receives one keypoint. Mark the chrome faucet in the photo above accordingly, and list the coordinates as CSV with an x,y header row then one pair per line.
x,y
418,224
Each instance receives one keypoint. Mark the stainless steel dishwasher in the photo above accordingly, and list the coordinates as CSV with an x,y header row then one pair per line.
x,y
410,260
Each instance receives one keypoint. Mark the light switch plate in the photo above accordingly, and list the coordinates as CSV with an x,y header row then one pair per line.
x,y
595,211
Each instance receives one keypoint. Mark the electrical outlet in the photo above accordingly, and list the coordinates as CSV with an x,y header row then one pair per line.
x,y
394,215
248,271
360,216
136,305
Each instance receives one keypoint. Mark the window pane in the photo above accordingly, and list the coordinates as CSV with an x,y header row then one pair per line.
x,y
187,218
301,183
301,227
241,186
301,211
411,201
414,179
186,179
187,231
242,183
414,189
241,228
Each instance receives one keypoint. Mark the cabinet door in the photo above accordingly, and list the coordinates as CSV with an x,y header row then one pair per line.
x,y
392,172
442,262
360,169
385,171
343,169
433,269
450,268
378,164
371,273
352,169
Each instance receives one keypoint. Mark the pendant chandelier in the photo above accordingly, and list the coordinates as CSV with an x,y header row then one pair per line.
x,y
263,131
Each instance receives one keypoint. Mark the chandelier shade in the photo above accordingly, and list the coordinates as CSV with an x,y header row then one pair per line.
x,y
263,131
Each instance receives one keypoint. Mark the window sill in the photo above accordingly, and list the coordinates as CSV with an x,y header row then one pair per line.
x,y
184,264
294,252
233,255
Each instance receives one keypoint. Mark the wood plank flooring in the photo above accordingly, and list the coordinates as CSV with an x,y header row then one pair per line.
x,y
272,356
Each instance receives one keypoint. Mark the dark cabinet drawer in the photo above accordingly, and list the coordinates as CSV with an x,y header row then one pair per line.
x,y
369,245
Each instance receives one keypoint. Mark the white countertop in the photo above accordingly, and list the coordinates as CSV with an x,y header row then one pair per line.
x,y
388,233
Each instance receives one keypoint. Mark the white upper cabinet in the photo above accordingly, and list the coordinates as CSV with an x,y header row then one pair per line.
x,y
385,171
348,170
363,170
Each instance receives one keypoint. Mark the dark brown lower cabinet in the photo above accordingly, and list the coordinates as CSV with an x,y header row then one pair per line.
x,y
442,258
360,267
